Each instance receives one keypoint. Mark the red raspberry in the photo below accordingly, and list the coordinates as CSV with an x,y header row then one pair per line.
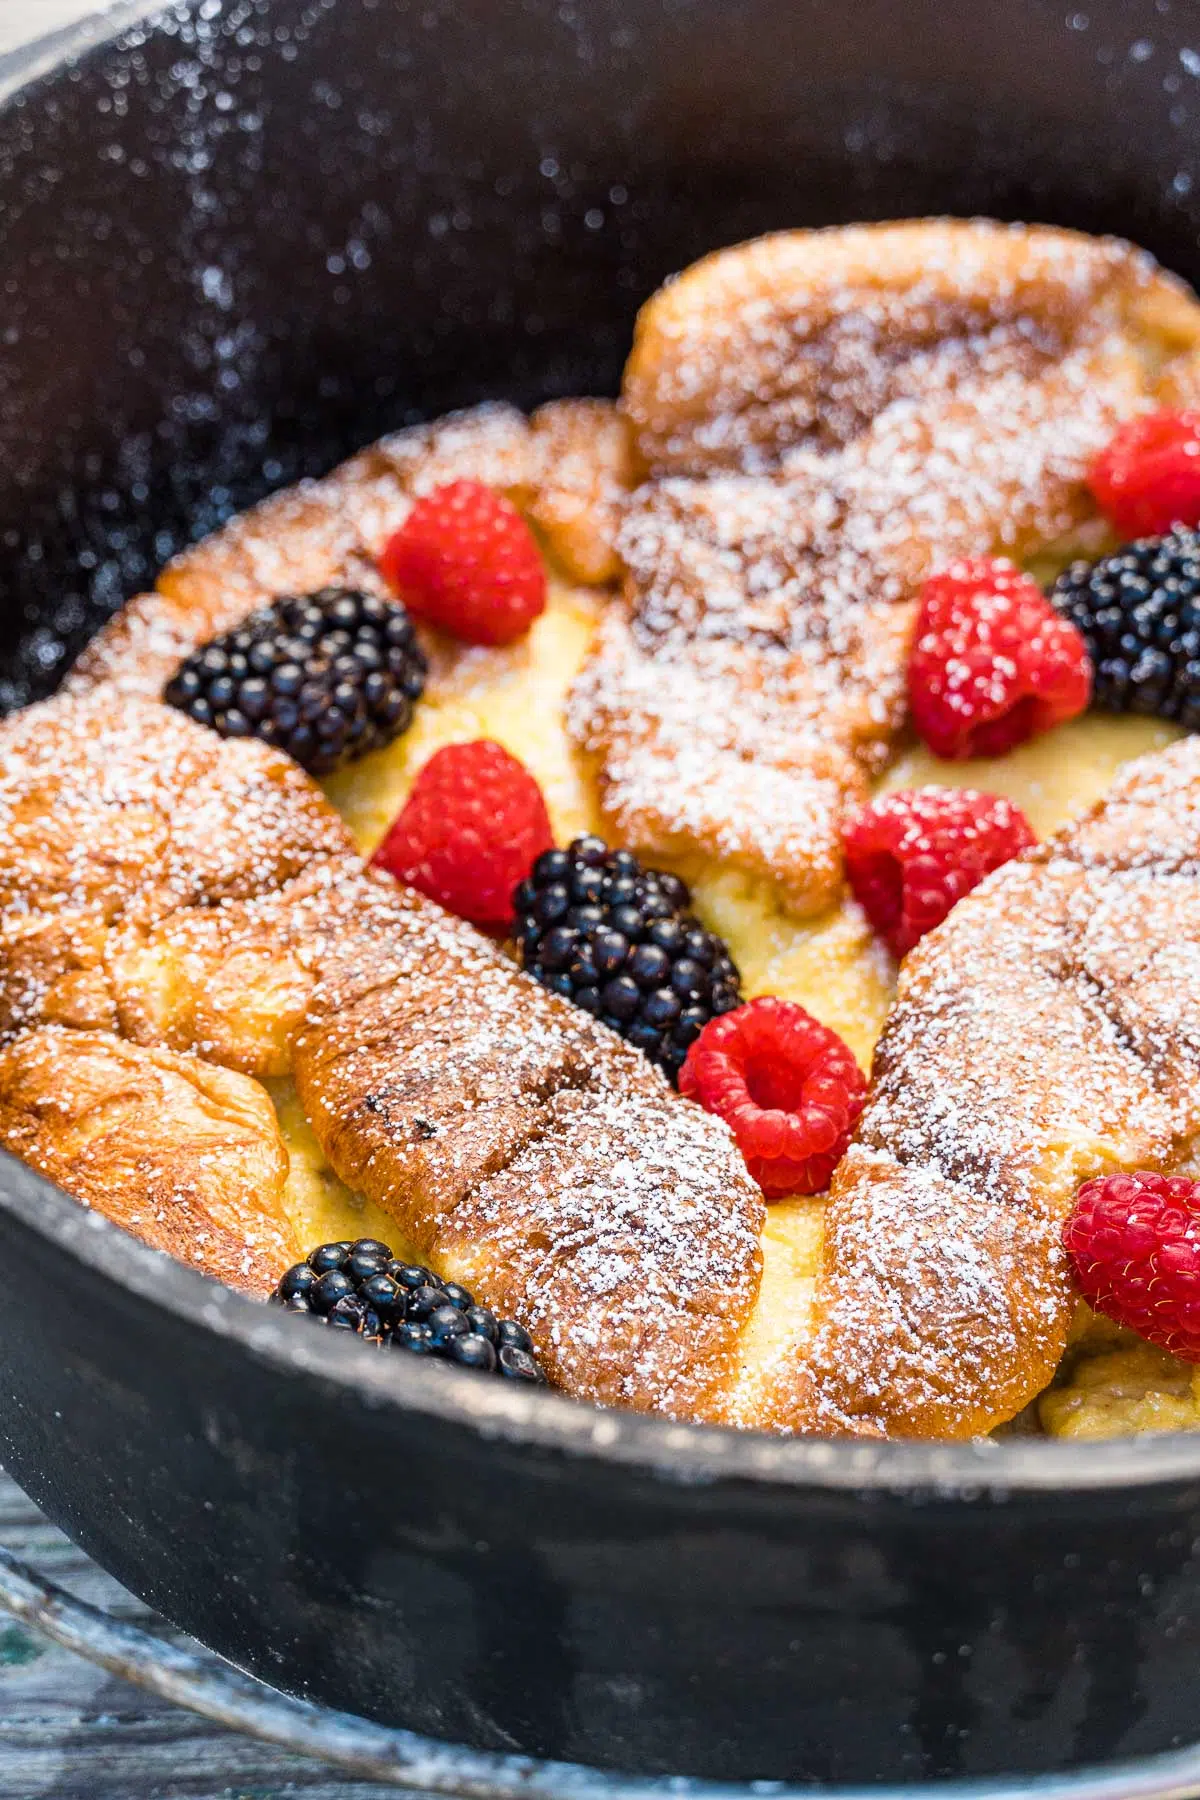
x,y
912,855
469,831
1148,477
787,1087
466,561
1134,1242
992,663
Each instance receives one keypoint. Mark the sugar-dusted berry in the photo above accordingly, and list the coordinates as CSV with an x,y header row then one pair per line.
x,y
992,663
912,855
788,1088
1148,477
466,561
470,830
1134,1244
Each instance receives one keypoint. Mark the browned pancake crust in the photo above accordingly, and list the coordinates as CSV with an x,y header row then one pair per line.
x,y
1045,1033
183,915
567,467
182,1153
826,417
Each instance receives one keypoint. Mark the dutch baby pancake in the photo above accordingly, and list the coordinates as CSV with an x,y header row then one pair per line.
x,y
814,658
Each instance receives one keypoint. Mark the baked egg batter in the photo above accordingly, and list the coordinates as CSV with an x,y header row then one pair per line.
x,y
1110,1382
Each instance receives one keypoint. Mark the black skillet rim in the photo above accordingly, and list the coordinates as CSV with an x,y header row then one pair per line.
x,y
682,1453
689,1455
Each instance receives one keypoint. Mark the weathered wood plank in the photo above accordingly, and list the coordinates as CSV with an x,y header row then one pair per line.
x,y
69,1731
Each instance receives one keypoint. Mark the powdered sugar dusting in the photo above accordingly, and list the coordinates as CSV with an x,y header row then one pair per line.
x,y
830,416
821,432
177,902
608,1202
1044,1034
567,466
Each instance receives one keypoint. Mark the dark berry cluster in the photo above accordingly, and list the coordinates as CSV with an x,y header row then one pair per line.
x,y
1139,614
618,940
326,677
362,1287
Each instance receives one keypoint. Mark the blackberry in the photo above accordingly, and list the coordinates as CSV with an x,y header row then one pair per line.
x,y
618,939
362,1287
1139,613
326,677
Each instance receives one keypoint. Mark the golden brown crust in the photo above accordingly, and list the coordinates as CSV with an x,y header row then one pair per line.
x,y
716,724
536,1156
400,977
827,417
608,1198
118,813
585,469
183,914
567,467
231,981
1044,1034
803,338
940,1315
185,1155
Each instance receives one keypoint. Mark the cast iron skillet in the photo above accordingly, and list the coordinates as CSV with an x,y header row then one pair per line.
x,y
234,246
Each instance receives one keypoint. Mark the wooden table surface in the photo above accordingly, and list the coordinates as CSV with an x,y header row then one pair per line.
x,y
69,1731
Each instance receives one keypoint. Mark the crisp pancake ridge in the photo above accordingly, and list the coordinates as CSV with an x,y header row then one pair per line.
x,y
568,468
1044,1034
825,418
185,916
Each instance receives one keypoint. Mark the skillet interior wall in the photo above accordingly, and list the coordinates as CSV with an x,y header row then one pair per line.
x,y
239,244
